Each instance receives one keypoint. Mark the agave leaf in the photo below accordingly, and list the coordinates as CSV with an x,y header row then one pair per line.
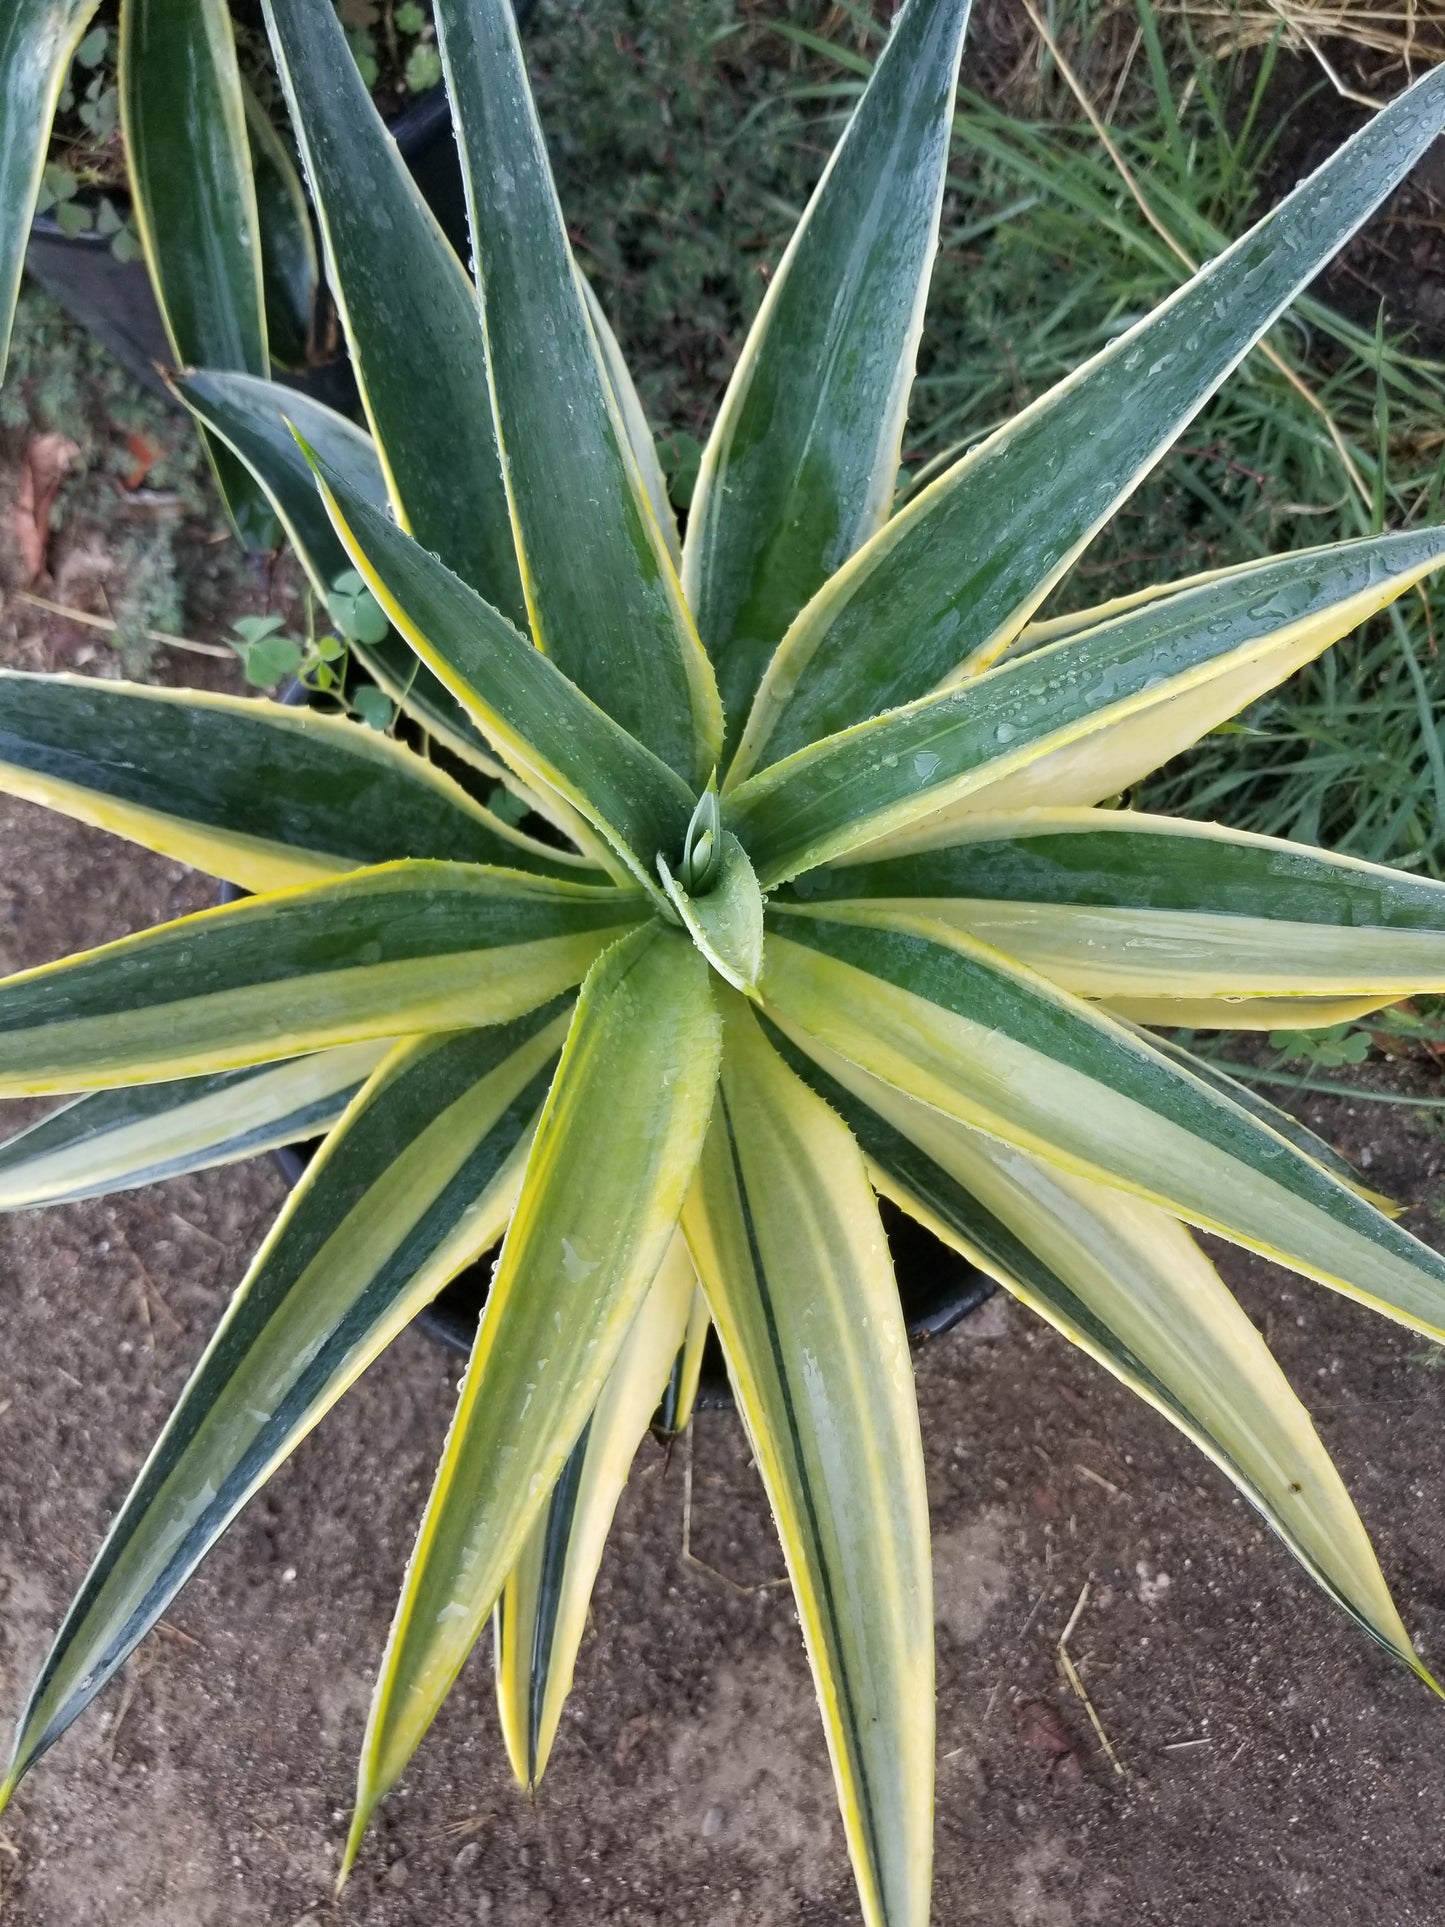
x,y
615,1150
634,422
405,948
542,1612
953,578
1210,1072
786,1238
801,464
1245,1013
289,270
408,309
189,162
1071,723
262,795
726,922
117,1140
260,421
989,1044
674,1413
601,590
542,723
1126,1282
1124,906
37,41
415,1183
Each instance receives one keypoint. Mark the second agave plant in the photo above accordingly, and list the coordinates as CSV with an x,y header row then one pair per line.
x,y
825,892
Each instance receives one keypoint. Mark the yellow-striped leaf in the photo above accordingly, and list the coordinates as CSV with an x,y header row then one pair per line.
x,y
1074,722
614,1153
601,590
188,157
398,950
260,794
408,309
634,421
542,1612
787,1241
547,729
1127,1283
116,1140
990,1044
674,1413
37,40
416,1182
952,579
802,461
1141,909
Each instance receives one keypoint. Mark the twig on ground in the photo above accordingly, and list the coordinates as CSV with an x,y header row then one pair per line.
x,y
110,626
689,1556
1071,1673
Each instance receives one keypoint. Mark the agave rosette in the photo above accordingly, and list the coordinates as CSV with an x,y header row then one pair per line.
x,y
834,904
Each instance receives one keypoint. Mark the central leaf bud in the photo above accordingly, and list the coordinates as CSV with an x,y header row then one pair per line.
x,y
702,846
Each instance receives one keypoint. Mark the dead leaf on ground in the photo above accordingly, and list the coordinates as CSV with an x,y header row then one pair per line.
x,y
48,460
1042,1730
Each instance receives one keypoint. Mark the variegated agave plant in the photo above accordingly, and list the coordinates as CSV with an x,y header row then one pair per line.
x,y
902,944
